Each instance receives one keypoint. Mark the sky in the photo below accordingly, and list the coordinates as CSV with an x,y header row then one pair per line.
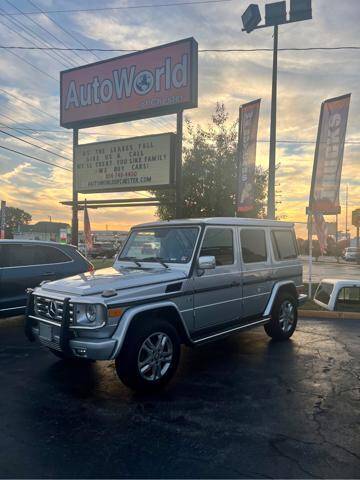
x,y
305,79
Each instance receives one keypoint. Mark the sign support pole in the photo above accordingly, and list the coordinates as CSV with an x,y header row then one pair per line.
x,y
178,175
75,216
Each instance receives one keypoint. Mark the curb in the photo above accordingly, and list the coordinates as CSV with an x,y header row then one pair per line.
x,y
329,314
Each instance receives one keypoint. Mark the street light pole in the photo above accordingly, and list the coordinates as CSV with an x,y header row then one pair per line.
x,y
272,151
275,15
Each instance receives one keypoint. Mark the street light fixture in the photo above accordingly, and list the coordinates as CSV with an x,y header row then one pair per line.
x,y
275,15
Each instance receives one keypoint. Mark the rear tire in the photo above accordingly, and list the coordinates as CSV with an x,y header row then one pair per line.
x,y
150,355
283,317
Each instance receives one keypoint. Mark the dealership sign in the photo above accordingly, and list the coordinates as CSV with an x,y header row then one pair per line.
x,y
157,81
324,196
139,163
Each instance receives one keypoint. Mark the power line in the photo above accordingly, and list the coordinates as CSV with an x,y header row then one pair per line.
x,y
29,104
115,135
64,30
32,65
34,145
21,129
124,7
18,24
35,158
204,50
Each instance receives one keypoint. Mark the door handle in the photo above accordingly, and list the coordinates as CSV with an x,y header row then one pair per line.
x,y
47,274
235,284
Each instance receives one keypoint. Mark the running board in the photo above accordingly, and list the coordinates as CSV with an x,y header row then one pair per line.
x,y
231,330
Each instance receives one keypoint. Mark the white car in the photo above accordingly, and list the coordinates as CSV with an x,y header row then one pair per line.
x,y
351,254
339,295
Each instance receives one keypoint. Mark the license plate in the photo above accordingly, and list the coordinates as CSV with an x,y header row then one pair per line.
x,y
46,332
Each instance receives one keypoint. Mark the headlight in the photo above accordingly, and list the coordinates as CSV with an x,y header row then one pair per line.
x,y
89,315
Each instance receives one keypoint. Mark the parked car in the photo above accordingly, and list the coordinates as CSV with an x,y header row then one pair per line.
x,y
340,295
103,250
210,278
25,264
351,254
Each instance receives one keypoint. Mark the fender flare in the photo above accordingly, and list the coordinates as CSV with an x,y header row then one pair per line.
x,y
129,315
274,293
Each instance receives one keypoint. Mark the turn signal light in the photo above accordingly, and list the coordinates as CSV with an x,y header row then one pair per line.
x,y
115,312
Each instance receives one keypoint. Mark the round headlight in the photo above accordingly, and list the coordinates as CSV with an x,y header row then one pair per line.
x,y
91,313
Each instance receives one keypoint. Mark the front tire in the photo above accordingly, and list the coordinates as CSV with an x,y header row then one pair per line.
x,y
283,317
150,355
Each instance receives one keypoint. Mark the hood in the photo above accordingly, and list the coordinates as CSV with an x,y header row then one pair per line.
x,y
112,279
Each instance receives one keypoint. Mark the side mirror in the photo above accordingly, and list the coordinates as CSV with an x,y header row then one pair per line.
x,y
206,263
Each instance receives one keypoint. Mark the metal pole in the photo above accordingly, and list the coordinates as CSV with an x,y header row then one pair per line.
x,y
346,212
336,228
179,188
75,218
238,173
310,221
272,152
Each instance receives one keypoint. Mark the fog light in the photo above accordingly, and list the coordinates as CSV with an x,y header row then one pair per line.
x,y
80,351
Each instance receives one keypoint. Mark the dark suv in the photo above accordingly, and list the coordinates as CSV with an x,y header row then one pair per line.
x,y
26,263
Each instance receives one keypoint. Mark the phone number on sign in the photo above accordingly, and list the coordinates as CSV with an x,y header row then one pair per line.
x,y
157,102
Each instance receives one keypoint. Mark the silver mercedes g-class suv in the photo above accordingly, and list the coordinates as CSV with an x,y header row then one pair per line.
x,y
175,282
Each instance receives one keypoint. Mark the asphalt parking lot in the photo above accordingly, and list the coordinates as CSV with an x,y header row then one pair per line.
x,y
243,407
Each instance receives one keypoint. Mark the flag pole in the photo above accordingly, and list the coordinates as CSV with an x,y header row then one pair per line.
x,y
85,243
310,234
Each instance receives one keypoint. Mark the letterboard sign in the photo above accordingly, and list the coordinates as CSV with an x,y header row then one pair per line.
x,y
138,163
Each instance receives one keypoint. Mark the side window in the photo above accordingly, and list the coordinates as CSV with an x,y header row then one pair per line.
x,y
283,244
253,245
219,243
348,299
20,255
44,255
323,292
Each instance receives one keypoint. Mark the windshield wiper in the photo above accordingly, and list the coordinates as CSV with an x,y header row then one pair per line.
x,y
131,259
155,259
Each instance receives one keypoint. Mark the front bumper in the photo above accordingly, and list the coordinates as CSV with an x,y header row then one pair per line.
x,y
91,348
63,339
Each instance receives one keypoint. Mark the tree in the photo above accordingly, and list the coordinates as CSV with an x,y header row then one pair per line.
x,y
15,218
210,173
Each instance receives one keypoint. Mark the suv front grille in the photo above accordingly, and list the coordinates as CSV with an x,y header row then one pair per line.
x,y
49,308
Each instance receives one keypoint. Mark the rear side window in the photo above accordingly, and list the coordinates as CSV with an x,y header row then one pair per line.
x,y
323,292
253,245
283,243
20,255
218,242
348,299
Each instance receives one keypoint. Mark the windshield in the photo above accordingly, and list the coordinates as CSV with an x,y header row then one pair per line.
x,y
169,244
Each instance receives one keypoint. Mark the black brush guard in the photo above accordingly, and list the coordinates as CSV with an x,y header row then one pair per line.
x,y
64,327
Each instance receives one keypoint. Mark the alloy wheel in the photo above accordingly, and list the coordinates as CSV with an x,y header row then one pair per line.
x,y
155,356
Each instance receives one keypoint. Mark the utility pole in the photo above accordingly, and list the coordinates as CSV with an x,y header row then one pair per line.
x,y
272,153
